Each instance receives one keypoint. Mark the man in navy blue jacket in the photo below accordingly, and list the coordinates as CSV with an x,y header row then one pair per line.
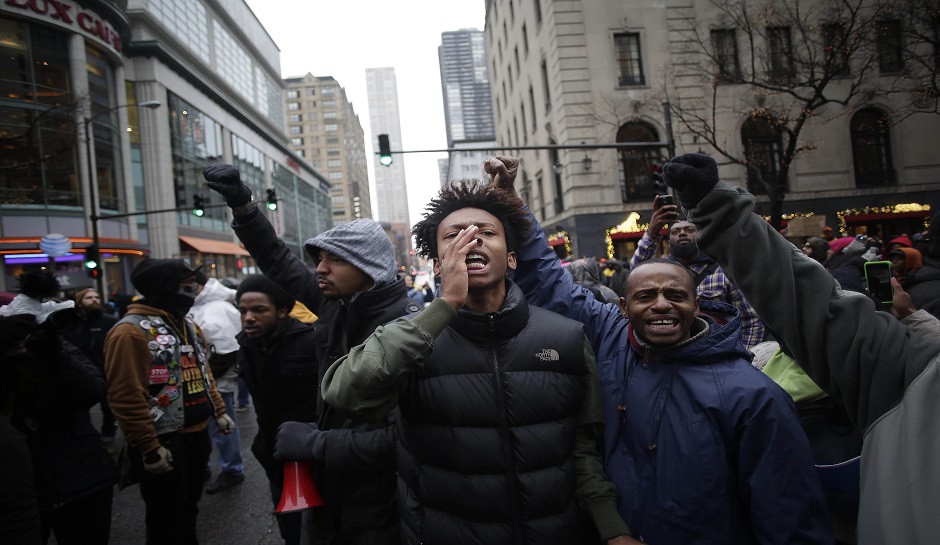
x,y
703,448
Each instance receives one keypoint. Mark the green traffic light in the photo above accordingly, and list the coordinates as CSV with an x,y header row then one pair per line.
x,y
272,206
91,264
386,160
199,212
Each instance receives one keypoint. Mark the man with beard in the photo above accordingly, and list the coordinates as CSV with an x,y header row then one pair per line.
x,y
711,284
163,395
354,289
88,335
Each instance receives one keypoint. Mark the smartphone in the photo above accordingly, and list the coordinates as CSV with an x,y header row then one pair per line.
x,y
666,199
878,278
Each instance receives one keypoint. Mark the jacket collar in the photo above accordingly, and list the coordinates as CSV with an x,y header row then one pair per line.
x,y
505,323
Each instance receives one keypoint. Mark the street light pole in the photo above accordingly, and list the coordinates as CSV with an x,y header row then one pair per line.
x,y
93,185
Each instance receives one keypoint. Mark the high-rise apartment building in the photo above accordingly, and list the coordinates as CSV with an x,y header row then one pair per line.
x,y
114,109
390,192
614,72
324,129
468,105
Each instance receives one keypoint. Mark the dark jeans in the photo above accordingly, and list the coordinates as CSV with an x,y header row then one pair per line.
x,y
85,521
172,498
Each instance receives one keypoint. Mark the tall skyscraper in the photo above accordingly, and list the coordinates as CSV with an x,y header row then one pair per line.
x,y
390,192
324,129
468,105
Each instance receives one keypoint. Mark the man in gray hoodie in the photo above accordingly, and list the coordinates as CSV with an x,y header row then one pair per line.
x,y
885,372
353,290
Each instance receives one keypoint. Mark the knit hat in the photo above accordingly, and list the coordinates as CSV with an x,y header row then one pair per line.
x,y
855,247
363,243
838,244
262,284
152,276
902,240
820,248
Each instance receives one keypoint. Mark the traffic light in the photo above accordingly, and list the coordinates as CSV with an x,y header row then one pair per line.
x,y
658,182
198,205
272,200
93,261
385,151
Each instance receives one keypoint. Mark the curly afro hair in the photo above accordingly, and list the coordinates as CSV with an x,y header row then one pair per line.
x,y
39,285
471,194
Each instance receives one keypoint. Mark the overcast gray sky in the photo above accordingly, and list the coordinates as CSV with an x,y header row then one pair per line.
x,y
341,38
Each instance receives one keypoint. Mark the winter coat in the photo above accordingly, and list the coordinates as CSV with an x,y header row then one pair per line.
x,y
924,287
215,313
341,325
495,411
885,372
703,448
68,459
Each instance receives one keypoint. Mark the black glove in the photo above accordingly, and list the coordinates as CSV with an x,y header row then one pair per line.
x,y
224,180
300,442
692,175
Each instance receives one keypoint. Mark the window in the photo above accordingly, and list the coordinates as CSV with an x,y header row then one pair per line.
x,y
538,11
329,115
332,140
328,90
332,151
548,98
763,148
629,63
532,109
296,129
525,40
525,137
509,73
334,163
889,47
335,175
780,53
300,152
871,148
312,92
293,93
311,103
297,141
636,178
295,118
331,127
515,52
293,106
313,127
726,55
835,48
329,103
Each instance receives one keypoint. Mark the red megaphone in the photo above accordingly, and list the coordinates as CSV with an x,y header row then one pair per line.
x,y
300,488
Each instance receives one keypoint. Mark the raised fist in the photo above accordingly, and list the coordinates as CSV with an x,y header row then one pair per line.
x,y
692,176
224,180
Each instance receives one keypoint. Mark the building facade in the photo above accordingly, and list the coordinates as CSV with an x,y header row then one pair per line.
x,y
164,89
666,78
324,129
391,193
468,104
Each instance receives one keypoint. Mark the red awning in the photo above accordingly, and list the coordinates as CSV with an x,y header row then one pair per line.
x,y
556,242
209,246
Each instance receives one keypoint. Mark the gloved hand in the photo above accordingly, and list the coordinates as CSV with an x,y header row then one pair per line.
x,y
225,180
225,424
158,460
300,441
692,175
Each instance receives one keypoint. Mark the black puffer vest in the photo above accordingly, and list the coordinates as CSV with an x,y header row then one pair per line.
x,y
488,431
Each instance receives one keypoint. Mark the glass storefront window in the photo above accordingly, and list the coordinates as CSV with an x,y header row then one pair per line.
x,y
196,141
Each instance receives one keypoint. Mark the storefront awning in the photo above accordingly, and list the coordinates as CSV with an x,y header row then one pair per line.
x,y
209,246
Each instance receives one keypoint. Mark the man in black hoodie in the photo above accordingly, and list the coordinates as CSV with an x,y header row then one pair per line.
x,y
353,290
278,362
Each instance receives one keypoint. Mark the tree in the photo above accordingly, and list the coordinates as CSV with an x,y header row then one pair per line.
x,y
918,80
771,68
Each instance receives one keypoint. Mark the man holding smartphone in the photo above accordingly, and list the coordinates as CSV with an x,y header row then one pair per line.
x,y
711,284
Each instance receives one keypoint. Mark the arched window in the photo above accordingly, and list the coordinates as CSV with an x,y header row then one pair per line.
x,y
871,148
763,148
636,178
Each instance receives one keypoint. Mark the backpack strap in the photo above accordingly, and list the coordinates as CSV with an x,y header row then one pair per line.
x,y
705,273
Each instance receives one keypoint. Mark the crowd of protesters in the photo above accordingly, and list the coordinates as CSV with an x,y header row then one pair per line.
x,y
686,394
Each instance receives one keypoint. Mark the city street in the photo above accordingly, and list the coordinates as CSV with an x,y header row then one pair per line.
x,y
242,515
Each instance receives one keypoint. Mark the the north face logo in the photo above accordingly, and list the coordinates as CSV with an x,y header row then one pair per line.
x,y
547,354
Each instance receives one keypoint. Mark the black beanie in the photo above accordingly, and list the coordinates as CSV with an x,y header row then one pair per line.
x,y
262,284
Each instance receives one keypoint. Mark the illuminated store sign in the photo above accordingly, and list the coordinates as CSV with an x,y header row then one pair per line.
x,y
67,14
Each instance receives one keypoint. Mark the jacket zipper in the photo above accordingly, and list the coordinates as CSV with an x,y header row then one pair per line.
x,y
506,440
